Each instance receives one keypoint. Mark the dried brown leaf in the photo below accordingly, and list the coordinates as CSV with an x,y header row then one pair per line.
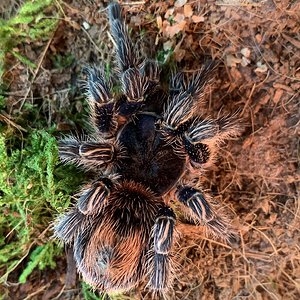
x,y
187,10
197,19
232,61
170,31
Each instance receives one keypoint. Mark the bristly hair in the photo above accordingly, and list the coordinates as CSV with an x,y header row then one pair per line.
x,y
151,70
126,57
90,154
68,226
94,196
134,85
182,105
202,210
97,87
177,84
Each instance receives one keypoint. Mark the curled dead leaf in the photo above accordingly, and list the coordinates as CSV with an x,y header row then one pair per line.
x,y
169,13
179,54
246,52
245,61
178,18
168,45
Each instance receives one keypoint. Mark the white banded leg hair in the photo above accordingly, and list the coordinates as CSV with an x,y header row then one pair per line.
x,y
150,69
185,97
101,102
134,85
203,213
203,135
161,274
90,154
133,79
125,55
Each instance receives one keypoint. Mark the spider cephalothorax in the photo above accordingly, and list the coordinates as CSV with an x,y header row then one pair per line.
x,y
147,143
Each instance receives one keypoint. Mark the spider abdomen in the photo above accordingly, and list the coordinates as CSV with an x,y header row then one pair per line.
x,y
150,160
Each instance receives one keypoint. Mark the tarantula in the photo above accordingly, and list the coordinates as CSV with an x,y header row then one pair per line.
x,y
147,144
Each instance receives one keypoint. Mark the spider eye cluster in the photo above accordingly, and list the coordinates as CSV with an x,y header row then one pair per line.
x,y
146,144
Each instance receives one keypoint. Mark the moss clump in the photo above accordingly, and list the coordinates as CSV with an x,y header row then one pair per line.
x,y
33,188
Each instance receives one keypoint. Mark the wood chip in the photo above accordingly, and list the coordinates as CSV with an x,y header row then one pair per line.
x,y
258,38
277,96
283,87
262,101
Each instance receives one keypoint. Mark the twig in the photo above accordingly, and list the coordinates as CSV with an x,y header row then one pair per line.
x,y
30,296
133,3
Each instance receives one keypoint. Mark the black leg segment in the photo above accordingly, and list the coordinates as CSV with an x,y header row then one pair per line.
x,y
94,196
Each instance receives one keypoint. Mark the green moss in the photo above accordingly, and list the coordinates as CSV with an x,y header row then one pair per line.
x,y
89,294
35,20
34,187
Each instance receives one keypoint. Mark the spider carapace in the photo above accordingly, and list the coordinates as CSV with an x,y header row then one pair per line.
x,y
151,160
147,143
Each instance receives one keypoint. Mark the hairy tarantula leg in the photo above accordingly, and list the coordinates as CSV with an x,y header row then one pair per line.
x,y
89,153
203,213
134,85
124,49
203,135
94,196
177,84
103,112
151,70
182,106
161,274
97,87
133,82
104,118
